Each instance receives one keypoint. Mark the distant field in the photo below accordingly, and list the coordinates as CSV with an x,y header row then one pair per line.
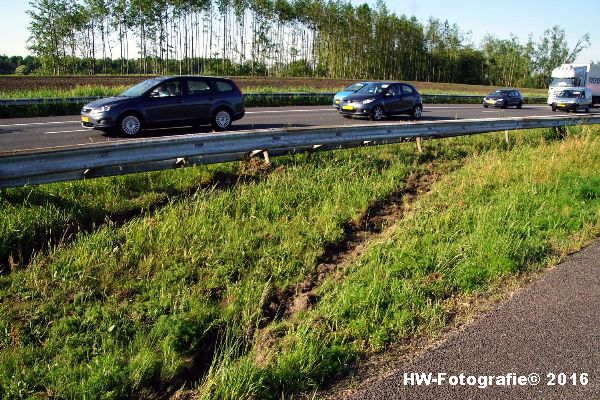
x,y
64,86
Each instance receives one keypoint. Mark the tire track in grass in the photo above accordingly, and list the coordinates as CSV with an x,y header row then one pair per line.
x,y
283,304
372,226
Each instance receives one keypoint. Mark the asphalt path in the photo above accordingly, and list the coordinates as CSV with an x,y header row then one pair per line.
x,y
550,327
54,132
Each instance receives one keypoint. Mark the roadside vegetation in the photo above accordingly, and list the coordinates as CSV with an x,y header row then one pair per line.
x,y
230,277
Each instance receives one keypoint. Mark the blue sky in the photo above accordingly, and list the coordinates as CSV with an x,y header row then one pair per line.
x,y
521,17
500,18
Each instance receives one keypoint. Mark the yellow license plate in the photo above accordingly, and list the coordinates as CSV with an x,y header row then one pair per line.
x,y
560,105
490,101
349,108
337,102
85,119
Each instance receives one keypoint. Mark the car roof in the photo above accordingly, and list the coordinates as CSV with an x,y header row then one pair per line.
x,y
193,76
392,82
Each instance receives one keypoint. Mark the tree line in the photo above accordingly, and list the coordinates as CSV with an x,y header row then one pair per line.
x,y
316,38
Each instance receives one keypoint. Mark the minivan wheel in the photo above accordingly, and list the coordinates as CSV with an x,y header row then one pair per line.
x,y
553,107
417,112
377,113
221,120
130,125
520,105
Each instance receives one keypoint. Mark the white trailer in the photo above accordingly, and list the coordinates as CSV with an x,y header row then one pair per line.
x,y
575,76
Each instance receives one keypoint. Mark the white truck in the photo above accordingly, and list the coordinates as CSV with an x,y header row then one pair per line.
x,y
575,77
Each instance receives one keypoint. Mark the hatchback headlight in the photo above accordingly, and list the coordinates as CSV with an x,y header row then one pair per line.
x,y
101,109
368,101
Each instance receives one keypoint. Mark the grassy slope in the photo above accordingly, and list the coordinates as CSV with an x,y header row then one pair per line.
x,y
37,217
504,213
124,309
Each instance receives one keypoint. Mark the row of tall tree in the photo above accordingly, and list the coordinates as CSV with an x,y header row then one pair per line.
x,y
322,38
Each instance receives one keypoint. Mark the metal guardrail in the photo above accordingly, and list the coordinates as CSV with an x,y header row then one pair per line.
x,y
84,100
20,168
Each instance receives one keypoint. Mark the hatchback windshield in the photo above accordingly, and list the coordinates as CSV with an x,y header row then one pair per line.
x,y
355,87
374,88
499,93
140,88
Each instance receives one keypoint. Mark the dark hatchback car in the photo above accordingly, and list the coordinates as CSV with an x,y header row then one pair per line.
x,y
380,99
503,98
167,101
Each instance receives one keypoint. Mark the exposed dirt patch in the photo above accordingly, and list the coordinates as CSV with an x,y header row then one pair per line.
x,y
358,235
256,167
196,367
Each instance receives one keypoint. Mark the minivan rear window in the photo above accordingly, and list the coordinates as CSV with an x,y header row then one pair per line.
x,y
223,86
198,87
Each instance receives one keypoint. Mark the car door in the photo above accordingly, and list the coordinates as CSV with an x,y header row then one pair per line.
x,y
199,99
408,98
392,99
513,99
165,103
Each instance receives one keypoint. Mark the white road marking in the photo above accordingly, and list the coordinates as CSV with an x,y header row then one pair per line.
x,y
41,123
78,130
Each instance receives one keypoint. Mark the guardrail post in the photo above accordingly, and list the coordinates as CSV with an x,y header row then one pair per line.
x,y
506,139
267,158
419,144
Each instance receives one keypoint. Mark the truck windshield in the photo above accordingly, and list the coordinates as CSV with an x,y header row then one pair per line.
x,y
564,82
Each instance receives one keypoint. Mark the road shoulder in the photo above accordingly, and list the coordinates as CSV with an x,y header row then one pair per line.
x,y
548,326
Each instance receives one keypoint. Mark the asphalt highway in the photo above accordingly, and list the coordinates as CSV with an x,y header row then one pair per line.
x,y
549,330
54,132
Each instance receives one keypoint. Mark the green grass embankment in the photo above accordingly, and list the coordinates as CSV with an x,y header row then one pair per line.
x,y
505,213
193,290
